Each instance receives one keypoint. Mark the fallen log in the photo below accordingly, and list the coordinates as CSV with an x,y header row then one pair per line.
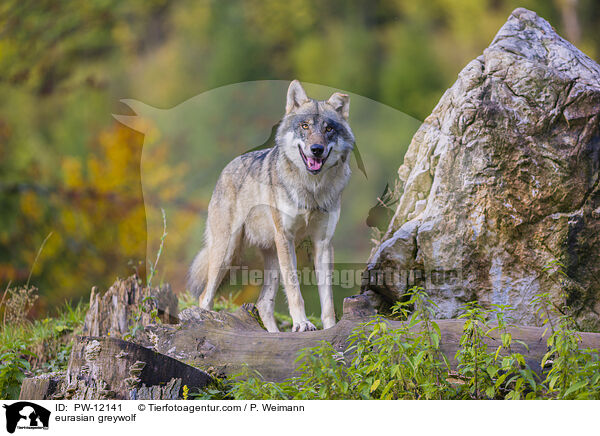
x,y
223,343
167,356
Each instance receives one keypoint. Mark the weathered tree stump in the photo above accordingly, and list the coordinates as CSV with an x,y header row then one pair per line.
x,y
102,366
113,368
115,312
42,387
108,368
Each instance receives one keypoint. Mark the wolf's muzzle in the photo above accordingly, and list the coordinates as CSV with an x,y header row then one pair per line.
x,y
317,150
314,164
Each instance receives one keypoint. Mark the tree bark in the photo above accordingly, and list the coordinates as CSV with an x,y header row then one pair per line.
x,y
102,368
126,303
222,343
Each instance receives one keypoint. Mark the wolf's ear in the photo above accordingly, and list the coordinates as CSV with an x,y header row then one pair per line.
x,y
295,96
341,103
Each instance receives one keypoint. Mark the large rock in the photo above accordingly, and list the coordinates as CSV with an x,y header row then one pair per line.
x,y
501,180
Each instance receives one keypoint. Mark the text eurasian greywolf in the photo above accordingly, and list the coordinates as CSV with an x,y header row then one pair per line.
x,y
273,198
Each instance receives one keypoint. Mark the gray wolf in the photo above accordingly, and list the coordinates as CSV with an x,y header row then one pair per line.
x,y
274,197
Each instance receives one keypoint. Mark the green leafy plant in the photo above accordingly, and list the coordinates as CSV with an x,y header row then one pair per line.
x,y
573,373
404,362
514,379
476,365
13,366
35,347
407,363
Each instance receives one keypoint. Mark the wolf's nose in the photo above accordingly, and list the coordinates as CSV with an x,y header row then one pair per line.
x,y
317,149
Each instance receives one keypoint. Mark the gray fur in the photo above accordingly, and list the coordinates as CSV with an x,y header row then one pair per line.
x,y
271,199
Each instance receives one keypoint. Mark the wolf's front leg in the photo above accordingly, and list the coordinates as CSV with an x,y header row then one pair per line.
x,y
322,230
287,264
323,253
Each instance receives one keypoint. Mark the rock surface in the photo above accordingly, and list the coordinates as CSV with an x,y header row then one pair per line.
x,y
501,180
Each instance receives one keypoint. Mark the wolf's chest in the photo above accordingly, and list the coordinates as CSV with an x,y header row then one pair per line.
x,y
298,224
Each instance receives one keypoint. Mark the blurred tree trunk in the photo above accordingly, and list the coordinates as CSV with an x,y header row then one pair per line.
x,y
570,21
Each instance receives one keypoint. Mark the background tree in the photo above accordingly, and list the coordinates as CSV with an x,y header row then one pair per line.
x,y
66,166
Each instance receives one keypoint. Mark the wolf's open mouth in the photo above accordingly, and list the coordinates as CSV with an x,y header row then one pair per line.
x,y
313,164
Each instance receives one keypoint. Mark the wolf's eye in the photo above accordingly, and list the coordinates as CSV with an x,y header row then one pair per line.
x,y
304,126
328,129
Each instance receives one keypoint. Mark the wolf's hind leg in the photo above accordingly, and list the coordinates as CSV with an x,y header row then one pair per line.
x,y
221,250
266,299
198,273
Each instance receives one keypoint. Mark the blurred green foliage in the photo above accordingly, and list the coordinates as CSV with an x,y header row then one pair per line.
x,y
68,167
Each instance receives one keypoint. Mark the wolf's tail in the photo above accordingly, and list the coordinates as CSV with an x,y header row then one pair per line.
x,y
198,274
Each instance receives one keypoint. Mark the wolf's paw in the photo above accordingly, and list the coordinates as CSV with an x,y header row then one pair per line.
x,y
328,323
303,326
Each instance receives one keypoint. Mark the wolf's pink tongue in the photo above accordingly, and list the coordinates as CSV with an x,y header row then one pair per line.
x,y
314,164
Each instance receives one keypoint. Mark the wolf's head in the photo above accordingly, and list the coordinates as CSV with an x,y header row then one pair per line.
x,y
315,134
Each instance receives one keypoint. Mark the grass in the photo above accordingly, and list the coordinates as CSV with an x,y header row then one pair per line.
x,y
33,347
